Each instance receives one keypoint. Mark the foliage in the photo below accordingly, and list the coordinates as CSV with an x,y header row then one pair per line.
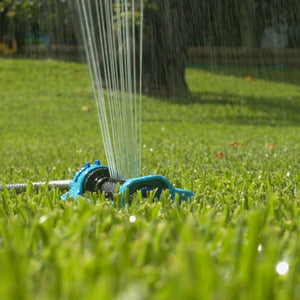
x,y
214,25
37,17
208,22
225,244
27,7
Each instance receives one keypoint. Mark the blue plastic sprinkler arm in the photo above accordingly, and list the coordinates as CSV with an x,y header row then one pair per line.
x,y
153,182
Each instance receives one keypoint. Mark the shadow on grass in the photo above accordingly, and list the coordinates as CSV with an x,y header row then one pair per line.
x,y
245,110
235,109
283,74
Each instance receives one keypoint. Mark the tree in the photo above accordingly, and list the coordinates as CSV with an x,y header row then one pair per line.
x,y
164,43
165,47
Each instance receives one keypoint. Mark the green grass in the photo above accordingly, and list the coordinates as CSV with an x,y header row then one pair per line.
x,y
204,249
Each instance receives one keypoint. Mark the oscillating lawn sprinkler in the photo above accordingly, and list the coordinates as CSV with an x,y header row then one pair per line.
x,y
96,179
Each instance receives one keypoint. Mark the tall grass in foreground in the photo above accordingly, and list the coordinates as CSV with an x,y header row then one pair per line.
x,y
236,145
203,249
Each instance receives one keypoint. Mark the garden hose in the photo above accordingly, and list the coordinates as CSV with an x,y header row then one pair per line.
x,y
21,187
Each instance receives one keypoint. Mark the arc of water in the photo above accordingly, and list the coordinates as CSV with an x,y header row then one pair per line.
x,y
108,26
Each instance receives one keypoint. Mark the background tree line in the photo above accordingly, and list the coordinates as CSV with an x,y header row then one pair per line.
x,y
171,26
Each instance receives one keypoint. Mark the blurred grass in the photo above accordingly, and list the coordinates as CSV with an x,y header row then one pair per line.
x,y
206,249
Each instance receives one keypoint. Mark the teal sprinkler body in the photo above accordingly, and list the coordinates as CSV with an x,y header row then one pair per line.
x,y
96,178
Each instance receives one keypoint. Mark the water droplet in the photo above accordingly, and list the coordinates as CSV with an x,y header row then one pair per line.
x,y
132,219
282,268
151,149
259,248
42,219
288,174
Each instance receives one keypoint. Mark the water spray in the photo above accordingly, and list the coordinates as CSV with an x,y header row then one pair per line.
x,y
96,179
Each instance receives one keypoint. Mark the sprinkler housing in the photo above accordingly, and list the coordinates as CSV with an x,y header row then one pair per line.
x,y
95,178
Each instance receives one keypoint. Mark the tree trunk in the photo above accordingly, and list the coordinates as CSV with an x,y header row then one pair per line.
x,y
247,11
20,39
165,47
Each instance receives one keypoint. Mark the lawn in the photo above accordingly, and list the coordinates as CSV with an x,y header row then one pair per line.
x,y
235,142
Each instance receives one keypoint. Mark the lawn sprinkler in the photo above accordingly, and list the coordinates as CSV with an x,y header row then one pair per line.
x,y
96,179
